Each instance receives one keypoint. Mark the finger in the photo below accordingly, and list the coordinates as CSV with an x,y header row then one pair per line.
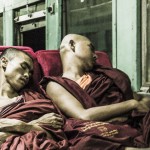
x,y
52,115
57,115
50,122
57,126
59,123
59,118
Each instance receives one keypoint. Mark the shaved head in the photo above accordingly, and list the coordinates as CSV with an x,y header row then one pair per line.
x,y
78,51
74,37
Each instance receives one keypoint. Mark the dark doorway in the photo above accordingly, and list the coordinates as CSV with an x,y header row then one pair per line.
x,y
35,39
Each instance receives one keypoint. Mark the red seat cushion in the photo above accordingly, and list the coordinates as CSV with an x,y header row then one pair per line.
x,y
103,59
50,61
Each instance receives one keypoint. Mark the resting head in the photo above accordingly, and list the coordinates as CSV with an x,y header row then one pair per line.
x,y
78,51
17,66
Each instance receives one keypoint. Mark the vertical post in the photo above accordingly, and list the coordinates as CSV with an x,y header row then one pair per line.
x,y
114,33
53,24
8,27
128,40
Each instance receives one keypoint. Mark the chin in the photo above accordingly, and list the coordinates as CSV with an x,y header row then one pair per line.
x,y
89,68
19,87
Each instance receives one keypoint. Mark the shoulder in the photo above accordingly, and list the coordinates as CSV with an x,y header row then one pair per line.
x,y
30,95
111,72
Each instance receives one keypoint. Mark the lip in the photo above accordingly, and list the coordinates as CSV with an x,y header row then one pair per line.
x,y
94,62
24,80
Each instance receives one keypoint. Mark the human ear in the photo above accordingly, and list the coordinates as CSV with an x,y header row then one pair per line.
x,y
4,62
72,45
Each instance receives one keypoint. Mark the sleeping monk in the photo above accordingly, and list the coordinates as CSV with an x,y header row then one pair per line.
x,y
27,119
97,101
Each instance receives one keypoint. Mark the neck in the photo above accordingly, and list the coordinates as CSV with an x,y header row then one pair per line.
x,y
7,91
72,73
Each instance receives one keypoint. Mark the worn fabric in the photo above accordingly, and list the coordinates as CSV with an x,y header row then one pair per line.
x,y
108,86
30,107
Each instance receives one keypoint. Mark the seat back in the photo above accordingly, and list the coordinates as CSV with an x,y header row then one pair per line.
x,y
50,61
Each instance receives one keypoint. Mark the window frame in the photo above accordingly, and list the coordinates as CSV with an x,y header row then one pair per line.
x,y
145,83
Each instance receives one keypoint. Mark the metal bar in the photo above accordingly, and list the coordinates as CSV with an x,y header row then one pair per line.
x,y
31,16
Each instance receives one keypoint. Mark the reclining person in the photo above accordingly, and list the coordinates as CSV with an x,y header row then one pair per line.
x,y
91,94
27,119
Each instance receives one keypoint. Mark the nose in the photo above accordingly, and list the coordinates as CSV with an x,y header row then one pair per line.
x,y
26,75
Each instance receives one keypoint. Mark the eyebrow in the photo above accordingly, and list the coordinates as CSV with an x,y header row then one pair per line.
x,y
31,70
92,46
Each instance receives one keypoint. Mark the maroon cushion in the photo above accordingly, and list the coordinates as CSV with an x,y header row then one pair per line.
x,y
103,59
37,72
50,61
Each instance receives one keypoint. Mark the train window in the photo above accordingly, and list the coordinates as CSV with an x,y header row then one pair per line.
x,y
1,27
92,18
30,26
38,36
145,45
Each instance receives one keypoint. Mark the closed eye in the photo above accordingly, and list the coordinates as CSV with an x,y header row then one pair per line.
x,y
23,66
92,47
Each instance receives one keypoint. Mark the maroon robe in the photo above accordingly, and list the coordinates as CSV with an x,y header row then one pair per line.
x,y
30,107
108,86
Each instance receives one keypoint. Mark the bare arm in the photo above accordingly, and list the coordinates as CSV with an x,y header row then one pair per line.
x,y
73,108
13,125
132,148
3,136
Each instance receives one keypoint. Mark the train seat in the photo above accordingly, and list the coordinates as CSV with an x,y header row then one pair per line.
x,y
50,61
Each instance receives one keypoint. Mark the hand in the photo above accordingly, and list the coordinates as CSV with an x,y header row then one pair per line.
x,y
118,119
51,119
137,96
146,101
143,102
144,105
144,98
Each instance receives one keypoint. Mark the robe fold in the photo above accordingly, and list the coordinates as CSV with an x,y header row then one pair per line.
x,y
30,107
108,86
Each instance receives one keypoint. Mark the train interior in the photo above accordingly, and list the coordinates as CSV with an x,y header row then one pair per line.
x,y
115,27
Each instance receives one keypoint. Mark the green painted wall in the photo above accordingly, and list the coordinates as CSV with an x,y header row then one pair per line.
x,y
53,25
8,28
126,39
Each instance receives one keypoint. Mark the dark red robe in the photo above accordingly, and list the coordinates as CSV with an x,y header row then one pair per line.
x,y
108,86
30,107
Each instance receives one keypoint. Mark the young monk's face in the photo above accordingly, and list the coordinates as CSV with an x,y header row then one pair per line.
x,y
18,71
